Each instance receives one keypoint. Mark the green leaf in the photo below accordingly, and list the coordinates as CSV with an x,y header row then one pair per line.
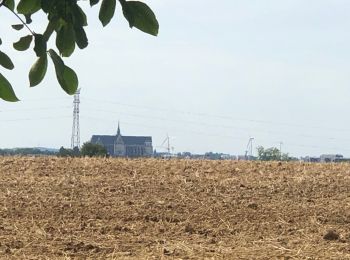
x,y
40,45
10,4
69,81
49,29
65,40
28,6
66,77
80,37
107,10
17,26
6,90
79,17
47,5
38,71
0,41
5,61
139,15
58,62
93,2
28,18
23,43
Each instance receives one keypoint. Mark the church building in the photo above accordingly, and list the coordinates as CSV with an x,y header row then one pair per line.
x,y
125,146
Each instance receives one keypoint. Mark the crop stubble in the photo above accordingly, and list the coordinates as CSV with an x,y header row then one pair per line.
x,y
62,208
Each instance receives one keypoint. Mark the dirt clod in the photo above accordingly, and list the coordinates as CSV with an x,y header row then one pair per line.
x,y
331,235
167,251
189,229
253,206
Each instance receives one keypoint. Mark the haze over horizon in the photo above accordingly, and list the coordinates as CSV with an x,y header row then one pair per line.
x,y
216,75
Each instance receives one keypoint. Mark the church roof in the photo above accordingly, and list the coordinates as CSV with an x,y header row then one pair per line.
x,y
108,140
104,139
128,140
136,140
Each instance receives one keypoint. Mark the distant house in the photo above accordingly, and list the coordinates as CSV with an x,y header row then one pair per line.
x,y
125,146
310,159
331,157
246,158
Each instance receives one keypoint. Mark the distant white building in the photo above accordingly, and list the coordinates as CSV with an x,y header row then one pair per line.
x,y
331,157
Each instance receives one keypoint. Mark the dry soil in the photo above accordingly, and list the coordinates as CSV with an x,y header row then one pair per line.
x,y
63,208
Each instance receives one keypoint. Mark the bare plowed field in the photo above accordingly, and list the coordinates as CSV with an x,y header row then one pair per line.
x,y
54,208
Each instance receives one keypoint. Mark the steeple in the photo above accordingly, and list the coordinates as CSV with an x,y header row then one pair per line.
x,y
118,131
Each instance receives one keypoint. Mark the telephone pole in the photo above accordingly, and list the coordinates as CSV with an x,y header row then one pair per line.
x,y
168,148
75,140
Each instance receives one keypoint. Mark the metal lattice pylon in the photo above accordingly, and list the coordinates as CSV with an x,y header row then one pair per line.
x,y
75,140
249,150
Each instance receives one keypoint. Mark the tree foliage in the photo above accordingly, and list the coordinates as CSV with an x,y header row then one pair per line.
x,y
214,156
66,152
66,21
92,150
271,154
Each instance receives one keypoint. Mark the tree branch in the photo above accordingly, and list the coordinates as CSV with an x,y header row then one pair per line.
x,y
23,22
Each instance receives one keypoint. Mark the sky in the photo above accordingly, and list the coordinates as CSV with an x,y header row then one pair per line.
x,y
219,73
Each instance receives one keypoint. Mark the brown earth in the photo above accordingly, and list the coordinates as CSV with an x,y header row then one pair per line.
x,y
57,208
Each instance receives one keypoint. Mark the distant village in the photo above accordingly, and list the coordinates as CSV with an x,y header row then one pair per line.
x,y
41,151
141,146
324,158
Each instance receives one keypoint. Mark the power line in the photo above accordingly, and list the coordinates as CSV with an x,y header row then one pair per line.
x,y
33,118
231,127
244,130
213,115
46,98
166,119
214,135
162,127
34,109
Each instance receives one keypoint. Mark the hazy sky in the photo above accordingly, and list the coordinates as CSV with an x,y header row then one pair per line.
x,y
218,73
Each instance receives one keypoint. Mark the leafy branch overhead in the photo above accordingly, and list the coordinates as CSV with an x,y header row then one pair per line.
x,y
65,21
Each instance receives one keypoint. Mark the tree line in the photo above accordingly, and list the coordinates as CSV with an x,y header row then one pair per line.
x,y
88,149
96,150
26,151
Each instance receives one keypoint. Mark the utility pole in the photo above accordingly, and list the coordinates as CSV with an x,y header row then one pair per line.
x,y
168,144
75,139
249,149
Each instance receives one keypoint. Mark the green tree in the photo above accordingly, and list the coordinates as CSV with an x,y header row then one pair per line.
x,y
213,156
66,20
271,154
63,152
92,150
76,151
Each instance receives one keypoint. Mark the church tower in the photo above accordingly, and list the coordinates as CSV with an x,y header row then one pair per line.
x,y
118,131
119,145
